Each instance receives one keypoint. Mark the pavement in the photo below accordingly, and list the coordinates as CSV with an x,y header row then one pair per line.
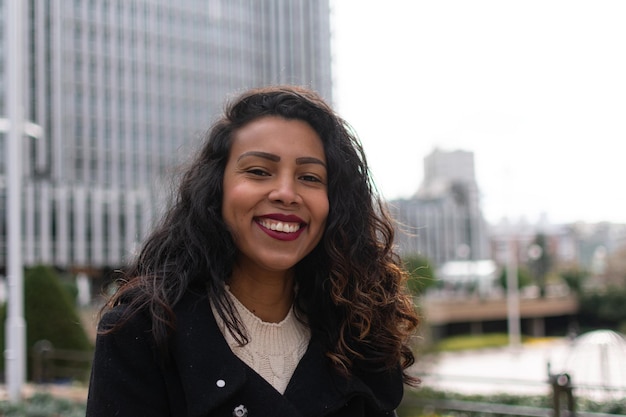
x,y
518,371
77,393
509,370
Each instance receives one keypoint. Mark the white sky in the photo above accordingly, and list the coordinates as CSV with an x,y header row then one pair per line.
x,y
535,88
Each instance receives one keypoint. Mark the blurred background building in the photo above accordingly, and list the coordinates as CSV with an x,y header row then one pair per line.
x,y
443,220
122,90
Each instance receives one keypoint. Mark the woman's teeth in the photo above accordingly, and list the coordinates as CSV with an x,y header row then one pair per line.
x,y
280,226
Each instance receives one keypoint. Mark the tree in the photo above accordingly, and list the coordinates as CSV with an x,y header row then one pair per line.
x,y
540,261
524,278
49,313
616,266
575,279
421,273
603,308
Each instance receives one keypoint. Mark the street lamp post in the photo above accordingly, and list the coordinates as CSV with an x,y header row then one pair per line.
x,y
512,293
16,128
15,326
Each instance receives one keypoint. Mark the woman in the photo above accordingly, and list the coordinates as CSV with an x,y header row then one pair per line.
x,y
270,288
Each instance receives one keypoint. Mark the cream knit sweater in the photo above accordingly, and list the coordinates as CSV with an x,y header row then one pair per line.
x,y
274,349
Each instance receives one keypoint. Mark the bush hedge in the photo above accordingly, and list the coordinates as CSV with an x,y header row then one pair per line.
x,y
43,405
415,403
50,314
603,308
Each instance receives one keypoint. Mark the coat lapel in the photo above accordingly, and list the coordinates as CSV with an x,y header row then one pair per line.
x,y
318,390
209,372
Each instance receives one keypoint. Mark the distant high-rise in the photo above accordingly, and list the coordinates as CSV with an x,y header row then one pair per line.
x,y
443,221
121,89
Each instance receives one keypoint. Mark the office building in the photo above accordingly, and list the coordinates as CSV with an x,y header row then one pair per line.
x,y
443,221
122,90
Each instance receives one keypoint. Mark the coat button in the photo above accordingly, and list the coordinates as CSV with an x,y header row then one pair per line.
x,y
220,383
240,411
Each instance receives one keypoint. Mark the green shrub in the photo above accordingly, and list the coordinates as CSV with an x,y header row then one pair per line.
x,y
524,278
43,405
575,279
421,275
416,403
69,286
49,313
466,342
603,309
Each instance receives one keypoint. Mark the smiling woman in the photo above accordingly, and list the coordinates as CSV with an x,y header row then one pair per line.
x,y
275,200
270,287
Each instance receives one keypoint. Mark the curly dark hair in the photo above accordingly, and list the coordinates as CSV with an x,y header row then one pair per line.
x,y
351,287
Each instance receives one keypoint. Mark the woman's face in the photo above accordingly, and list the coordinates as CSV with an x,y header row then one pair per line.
x,y
275,200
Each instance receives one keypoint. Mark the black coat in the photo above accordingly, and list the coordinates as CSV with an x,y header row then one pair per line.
x,y
204,377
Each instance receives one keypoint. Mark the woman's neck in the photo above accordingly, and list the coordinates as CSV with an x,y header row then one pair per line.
x,y
268,296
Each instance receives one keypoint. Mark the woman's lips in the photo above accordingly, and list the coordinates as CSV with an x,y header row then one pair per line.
x,y
281,226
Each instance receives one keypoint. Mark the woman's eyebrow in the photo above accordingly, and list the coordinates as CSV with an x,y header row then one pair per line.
x,y
303,160
265,155
309,160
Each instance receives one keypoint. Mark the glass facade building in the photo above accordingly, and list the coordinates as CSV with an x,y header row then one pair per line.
x,y
123,89
443,221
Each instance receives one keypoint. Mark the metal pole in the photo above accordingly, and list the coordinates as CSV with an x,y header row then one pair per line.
x,y
15,363
512,292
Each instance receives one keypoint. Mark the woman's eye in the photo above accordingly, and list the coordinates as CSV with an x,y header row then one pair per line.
x,y
310,178
258,172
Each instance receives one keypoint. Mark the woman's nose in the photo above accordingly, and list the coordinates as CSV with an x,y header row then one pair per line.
x,y
285,191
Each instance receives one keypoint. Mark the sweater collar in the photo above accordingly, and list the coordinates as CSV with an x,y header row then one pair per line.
x,y
210,373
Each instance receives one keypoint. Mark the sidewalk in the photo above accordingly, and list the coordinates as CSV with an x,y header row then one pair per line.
x,y
76,393
491,371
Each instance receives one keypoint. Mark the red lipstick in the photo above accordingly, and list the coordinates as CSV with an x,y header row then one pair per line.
x,y
283,218
290,218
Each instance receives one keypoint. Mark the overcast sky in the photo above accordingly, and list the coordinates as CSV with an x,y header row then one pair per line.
x,y
536,89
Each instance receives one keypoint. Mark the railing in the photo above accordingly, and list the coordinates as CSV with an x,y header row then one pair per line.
x,y
484,408
559,388
51,364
